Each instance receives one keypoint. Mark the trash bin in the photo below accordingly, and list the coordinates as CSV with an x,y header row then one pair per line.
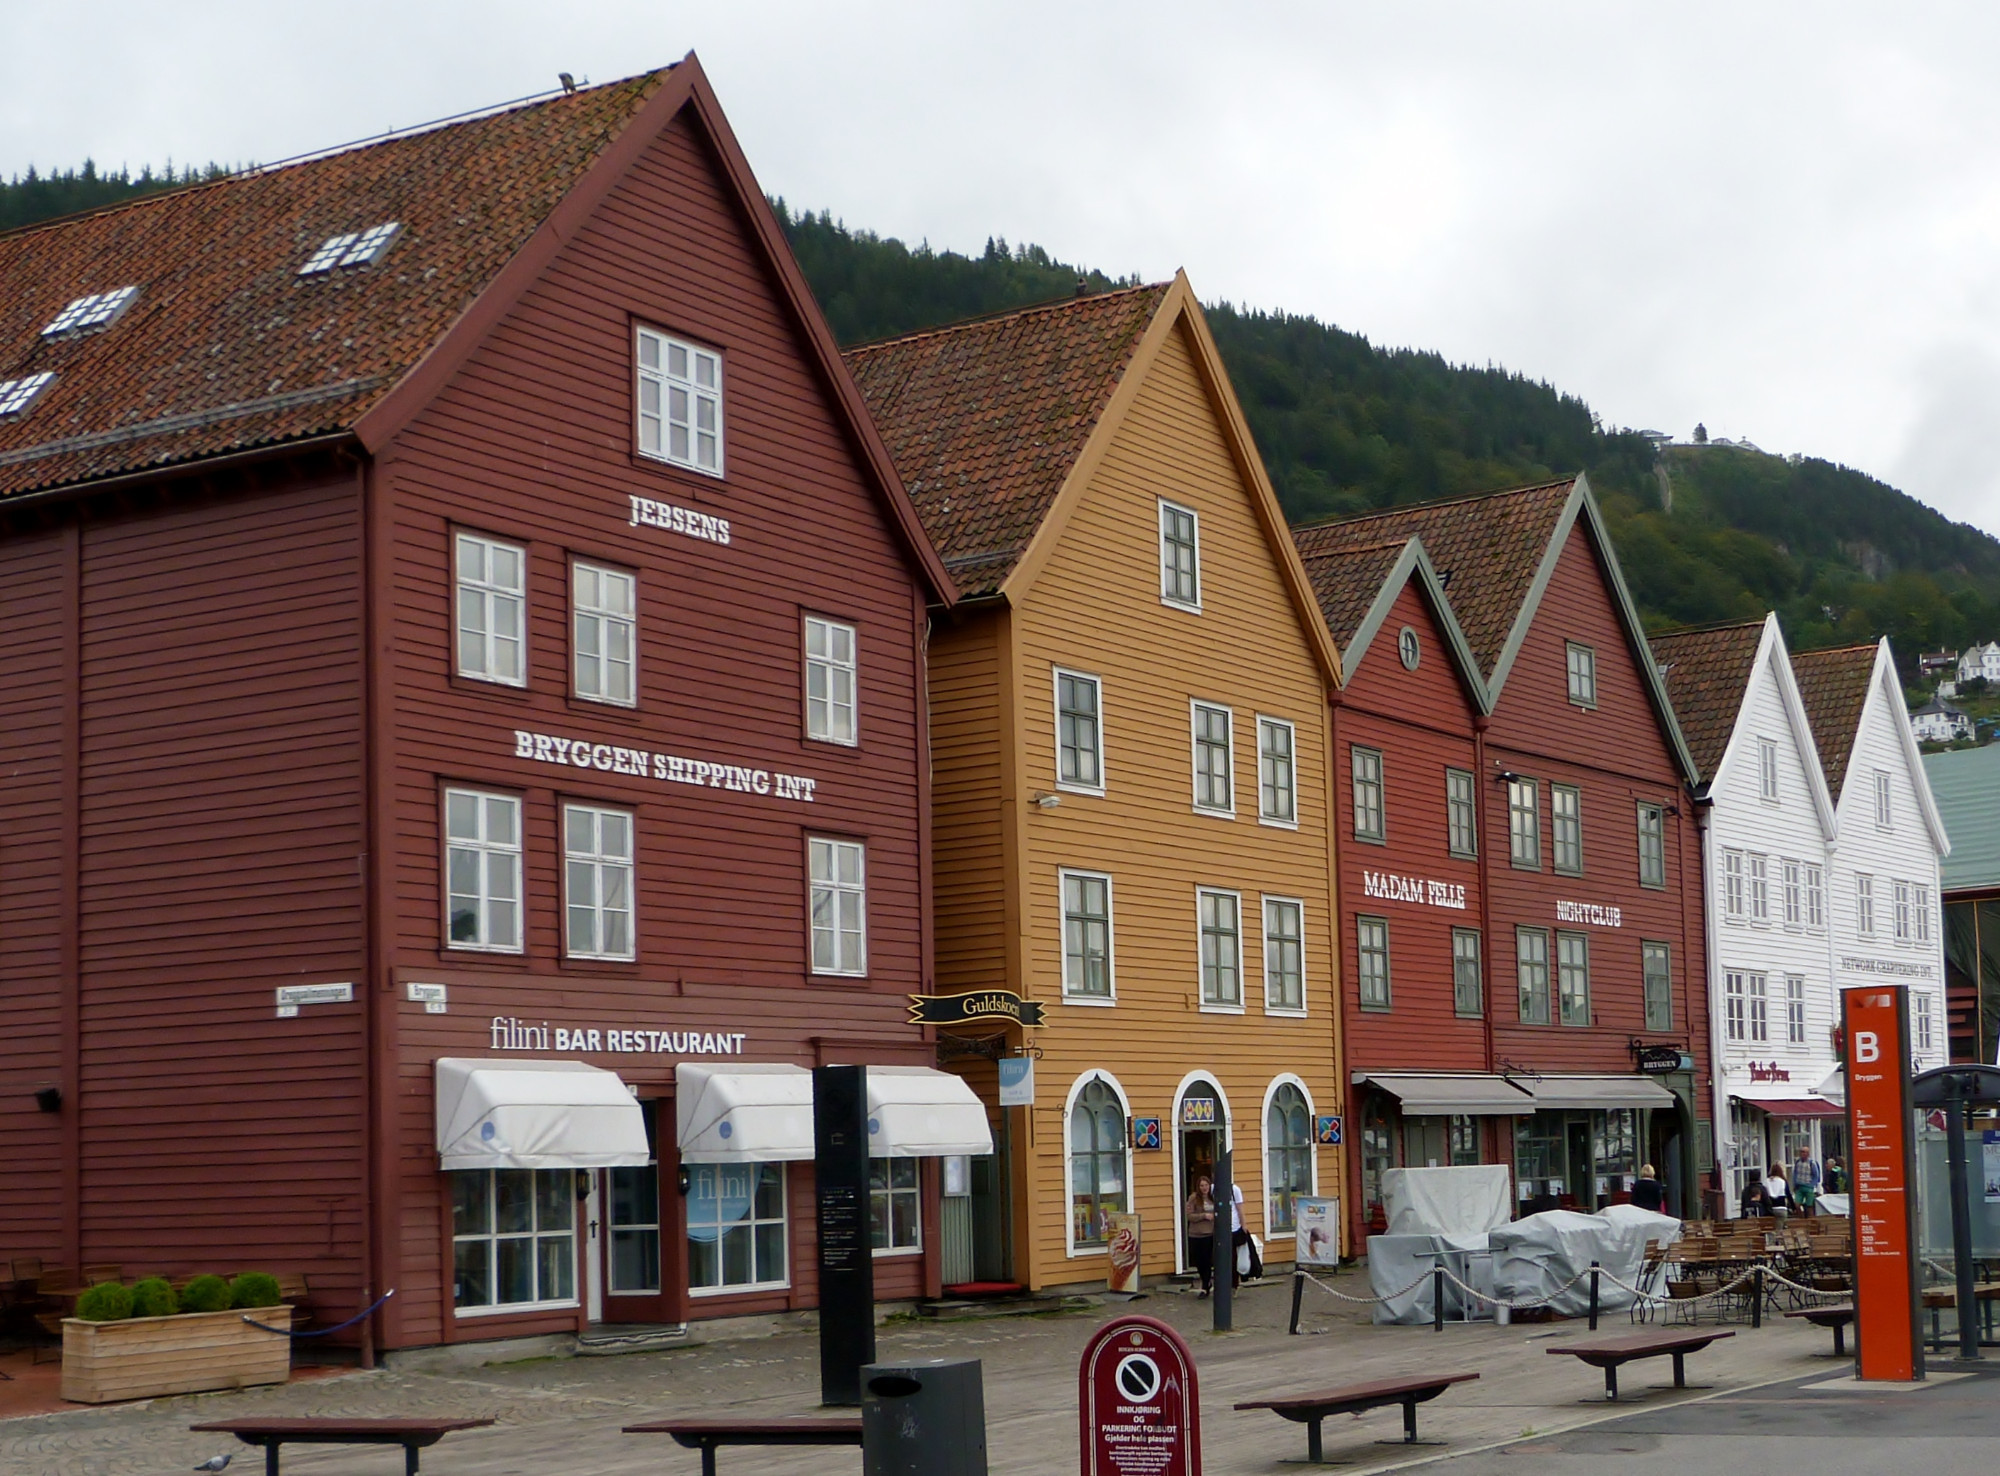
x,y
923,1419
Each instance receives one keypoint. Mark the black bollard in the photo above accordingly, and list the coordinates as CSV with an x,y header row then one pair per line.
x,y
1756,1296
1593,1296
1298,1296
1437,1296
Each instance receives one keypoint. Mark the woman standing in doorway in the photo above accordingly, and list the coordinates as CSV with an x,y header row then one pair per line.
x,y
1199,1215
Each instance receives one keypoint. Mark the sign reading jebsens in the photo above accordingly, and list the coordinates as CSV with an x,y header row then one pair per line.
x,y
1138,1404
1876,1023
669,768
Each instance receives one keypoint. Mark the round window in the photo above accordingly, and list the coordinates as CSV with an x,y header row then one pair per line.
x,y
1409,648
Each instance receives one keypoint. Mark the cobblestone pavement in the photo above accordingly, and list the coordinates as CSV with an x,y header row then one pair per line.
x,y
564,1415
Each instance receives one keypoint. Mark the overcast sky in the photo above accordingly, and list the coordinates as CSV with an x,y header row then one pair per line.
x,y
1780,220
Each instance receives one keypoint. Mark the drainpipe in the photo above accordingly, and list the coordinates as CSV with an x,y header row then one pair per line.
x,y
1489,997
1718,1085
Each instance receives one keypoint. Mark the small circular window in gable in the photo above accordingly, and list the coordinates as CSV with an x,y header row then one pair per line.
x,y
1409,648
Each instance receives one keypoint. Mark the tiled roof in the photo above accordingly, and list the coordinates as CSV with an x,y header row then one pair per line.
x,y
1707,672
226,346
1346,581
1833,685
1487,549
986,419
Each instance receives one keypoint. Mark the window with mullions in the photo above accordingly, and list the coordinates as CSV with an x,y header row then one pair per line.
x,y
1288,1148
1372,938
1221,950
839,906
1467,988
893,1221
1900,891
1566,828
482,870
1097,1147
1760,888
606,633
1732,885
1815,897
1652,846
1884,812
1180,556
1767,769
1531,955
1369,821
1656,972
1864,904
492,610
1086,900
1284,954
1795,1009
513,1238
1760,1014
1214,769
736,1226
1277,797
1794,892
598,874
1573,977
830,682
1735,1006
1461,816
1524,824
680,402
1582,662
1079,731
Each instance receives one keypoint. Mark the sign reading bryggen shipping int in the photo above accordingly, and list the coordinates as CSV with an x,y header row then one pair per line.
x,y
671,768
980,1004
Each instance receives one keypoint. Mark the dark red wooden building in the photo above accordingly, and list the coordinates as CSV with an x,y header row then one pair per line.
x,y
1520,865
457,610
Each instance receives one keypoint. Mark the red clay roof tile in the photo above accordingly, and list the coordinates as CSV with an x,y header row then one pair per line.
x,y
1707,672
1833,685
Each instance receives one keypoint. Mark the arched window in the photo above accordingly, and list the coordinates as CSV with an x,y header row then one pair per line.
x,y
1096,1162
1288,1147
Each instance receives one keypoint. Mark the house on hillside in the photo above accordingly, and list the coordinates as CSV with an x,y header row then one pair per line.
x,y
1931,663
1770,841
1966,786
1980,663
1937,721
464,731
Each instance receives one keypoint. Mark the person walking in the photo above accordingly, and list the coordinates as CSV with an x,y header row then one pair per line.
x,y
1648,1193
1240,1242
1805,1180
1779,1189
1199,1213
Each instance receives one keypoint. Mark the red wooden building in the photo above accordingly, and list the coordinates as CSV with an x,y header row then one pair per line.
x,y
1520,867
463,631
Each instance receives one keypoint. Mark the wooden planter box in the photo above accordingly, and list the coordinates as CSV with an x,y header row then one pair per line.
x,y
188,1353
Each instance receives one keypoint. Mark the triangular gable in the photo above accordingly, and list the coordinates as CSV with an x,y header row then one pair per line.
x,y
1413,564
1772,657
1885,702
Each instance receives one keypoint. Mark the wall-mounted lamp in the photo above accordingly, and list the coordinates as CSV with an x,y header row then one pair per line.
x,y
1044,800
683,1181
1508,776
583,1184
49,1099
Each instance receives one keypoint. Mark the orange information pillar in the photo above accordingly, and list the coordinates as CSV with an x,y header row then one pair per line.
x,y
1877,1049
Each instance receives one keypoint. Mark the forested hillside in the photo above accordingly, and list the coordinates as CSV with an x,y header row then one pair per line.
x,y
1704,532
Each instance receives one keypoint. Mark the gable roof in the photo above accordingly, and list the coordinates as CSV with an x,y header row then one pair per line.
x,y
1707,672
1357,587
227,348
1833,685
987,419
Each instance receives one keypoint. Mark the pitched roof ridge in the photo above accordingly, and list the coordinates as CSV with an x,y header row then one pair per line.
x,y
1868,646
1337,520
1346,549
988,319
1711,628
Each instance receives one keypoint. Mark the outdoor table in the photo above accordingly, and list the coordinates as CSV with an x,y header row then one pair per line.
x,y
411,1434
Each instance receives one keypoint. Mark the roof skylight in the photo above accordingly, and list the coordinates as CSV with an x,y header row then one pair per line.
x,y
91,312
356,248
16,395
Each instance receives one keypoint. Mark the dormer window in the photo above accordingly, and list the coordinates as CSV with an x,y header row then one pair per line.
x,y
680,402
355,249
95,311
16,395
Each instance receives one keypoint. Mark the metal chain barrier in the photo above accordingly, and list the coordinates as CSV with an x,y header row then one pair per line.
x,y
1730,1288
1334,1291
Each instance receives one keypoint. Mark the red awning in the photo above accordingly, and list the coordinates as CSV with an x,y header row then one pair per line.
x,y
1795,1106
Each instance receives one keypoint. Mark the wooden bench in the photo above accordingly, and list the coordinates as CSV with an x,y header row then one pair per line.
x,y
412,1434
1610,1354
1936,1299
1310,1409
1837,1315
708,1435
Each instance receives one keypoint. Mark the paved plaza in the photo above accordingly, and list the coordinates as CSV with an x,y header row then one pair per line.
x,y
1528,1412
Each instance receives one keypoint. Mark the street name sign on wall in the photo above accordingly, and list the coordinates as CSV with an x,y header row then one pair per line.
x,y
1138,1405
1876,1026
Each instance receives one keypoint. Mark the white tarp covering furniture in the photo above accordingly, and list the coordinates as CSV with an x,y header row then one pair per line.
x,y
1449,1096
1534,1256
744,1112
1556,1092
494,1114
1396,1261
1467,1200
919,1112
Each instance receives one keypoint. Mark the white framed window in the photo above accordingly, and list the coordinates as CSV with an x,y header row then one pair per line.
x,y
894,1225
492,610
597,856
1884,812
1760,888
1795,903
1760,1015
1098,1141
1524,824
1566,828
1923,905
1864,904
1180,557
1288,1156
1735,1007
1795,1009
482,870
1087,945
1284,956
1732,886
1214,763
1468,993
1920,1007
1652,820
1905,923
1531,959
737,1228
1815,897
1656,972
1079,731
513,1239
1767,770
839,906
1277,785
1371,935
1460,814
830,682
1582,663
679,402
1221,948
1573,977
1370,821
606,625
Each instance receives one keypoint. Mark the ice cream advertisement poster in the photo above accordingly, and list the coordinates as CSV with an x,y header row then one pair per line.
x,y
1319,1231
1124,1275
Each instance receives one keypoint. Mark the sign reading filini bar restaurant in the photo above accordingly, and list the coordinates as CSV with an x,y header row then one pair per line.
x,y
671,768
1393,888
512,1034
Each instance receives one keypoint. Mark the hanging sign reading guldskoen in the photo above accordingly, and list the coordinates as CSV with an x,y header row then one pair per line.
x,y
999,1005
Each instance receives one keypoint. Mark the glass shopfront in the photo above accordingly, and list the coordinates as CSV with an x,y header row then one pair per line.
x,y
1579,1159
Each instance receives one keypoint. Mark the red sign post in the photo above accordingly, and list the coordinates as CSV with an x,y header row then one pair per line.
x,y
1138,1405
1876,1029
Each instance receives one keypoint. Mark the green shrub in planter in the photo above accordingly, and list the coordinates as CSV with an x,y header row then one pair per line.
x,y
205,1294
106,1302
154,1297
254,1289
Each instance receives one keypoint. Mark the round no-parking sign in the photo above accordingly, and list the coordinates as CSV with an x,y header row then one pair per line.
x,y
1138,1404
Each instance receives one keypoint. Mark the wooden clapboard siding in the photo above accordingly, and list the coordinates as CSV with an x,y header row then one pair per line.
x,y
1095,605
969,805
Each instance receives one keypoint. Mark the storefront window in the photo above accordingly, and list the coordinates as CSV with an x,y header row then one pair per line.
x,y
1464,1141
1614,1135
1540,1164
1096,1163
1288,1148
736,1226
513,1237
892,1204
1747,1159
1378,1150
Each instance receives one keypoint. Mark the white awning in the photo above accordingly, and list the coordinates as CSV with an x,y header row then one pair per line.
x,y
535,1115
917,1112
744,1113
1441,1096
1556,1092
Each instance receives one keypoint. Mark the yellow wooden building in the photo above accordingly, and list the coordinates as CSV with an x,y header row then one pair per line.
x,y
1129,719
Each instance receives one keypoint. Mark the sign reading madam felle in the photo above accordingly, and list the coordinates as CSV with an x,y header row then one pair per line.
x,y
672,768
1393,888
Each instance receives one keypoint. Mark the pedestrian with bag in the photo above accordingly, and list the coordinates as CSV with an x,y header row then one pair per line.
x,y
1248,1264
1199,1214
